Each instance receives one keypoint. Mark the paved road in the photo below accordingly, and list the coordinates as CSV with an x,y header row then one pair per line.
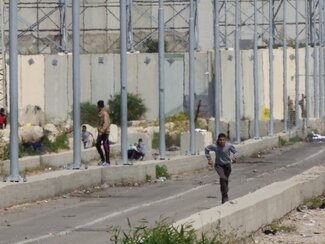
x,y
85,218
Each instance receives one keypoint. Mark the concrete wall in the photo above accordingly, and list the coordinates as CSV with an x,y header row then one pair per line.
x,y
46,81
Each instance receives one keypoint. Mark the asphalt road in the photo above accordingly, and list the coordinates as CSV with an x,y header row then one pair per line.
x,y
86,216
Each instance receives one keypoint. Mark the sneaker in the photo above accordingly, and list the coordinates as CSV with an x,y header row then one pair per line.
x,y
106,164
100,162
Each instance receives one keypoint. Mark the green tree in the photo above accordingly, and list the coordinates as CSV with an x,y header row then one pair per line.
x,y
136,108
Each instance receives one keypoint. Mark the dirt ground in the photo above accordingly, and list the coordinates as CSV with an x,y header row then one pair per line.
x,y
302,225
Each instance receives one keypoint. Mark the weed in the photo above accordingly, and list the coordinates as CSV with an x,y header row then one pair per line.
x,y
164,233
281,142
281,228
161,171
295,139
314,203
61,142
148,178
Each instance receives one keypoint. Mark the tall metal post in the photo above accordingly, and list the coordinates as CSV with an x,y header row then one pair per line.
x,y
162,141
76,83
191,78
307,63
297,67
63,26
130,26
285,93
321,59
316,64
3,57
226,23
13,70
123,80
237,70
217,72
256,80
271,80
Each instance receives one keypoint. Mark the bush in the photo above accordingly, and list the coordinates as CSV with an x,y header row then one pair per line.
x,y
152,46
88,114
164,233
61,142
161,171
136,108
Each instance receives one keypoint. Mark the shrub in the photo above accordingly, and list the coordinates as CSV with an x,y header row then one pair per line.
x,y
164,233
61,142
152,45
88,114
136,108
161,171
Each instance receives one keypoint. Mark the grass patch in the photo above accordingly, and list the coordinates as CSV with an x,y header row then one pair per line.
x,y
164,233
315,202
161,171
61,142
281,142
282,228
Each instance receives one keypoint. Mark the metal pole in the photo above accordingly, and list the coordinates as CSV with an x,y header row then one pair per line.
x,y
226,23
76,84
123,78
237,71
162,141
316,64
13,69
321,60
297,67
271,80
3,56
256,85
217,71
307,93
130,25
191,79
63,28
285,93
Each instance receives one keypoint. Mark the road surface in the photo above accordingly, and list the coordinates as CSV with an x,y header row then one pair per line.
x,y
86,216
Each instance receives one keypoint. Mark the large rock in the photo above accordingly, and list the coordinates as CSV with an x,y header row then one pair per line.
x,y
114,133
51,132
31,115
30,134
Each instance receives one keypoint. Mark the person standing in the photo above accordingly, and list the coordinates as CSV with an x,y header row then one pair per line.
x,y
85,137
3,119
103,134
225,154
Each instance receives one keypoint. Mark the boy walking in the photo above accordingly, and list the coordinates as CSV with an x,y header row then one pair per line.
x,y
225,153
103,134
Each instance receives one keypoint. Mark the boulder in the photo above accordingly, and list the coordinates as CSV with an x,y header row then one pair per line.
x,y
51,132
32,115
30,134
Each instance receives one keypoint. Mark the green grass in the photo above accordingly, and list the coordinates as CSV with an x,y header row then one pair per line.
x,y
161,171
315,202
164,233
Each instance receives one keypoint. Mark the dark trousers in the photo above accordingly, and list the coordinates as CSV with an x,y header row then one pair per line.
x,y
224,173
103,138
